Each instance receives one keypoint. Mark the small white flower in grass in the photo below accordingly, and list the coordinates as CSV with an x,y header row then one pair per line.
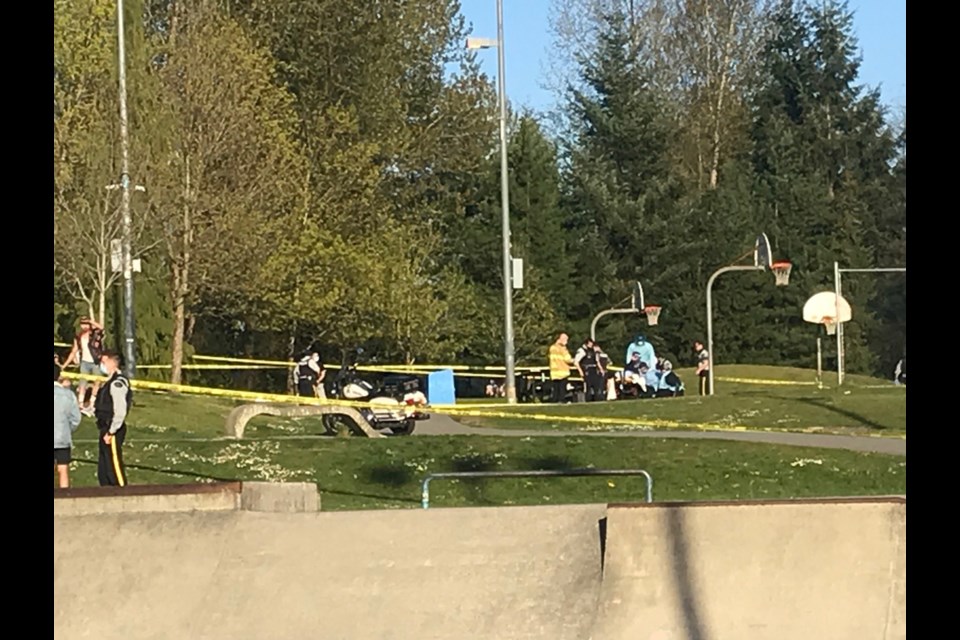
x,y
802,462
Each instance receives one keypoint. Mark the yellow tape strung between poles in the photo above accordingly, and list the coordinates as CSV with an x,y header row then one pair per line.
x,y
451,409
399,368
460,371
211,367
785,383
422,369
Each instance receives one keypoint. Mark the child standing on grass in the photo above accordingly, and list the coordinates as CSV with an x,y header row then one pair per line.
x,y
66,419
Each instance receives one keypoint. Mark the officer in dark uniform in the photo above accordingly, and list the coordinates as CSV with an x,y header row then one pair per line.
x,y
588,363
703,367
111,407
310,373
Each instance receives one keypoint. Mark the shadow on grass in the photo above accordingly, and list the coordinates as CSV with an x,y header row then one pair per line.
x,y
548,463
174,472
824,403
474,486
389,475
193,474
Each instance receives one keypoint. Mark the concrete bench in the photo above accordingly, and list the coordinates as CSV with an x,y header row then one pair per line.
x,y
239,417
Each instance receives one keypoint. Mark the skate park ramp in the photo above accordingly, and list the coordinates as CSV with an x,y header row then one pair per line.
x,y
664,571
775,570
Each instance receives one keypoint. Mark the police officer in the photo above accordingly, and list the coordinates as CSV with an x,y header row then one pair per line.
x,y
703,367
110,409
309,375
588,363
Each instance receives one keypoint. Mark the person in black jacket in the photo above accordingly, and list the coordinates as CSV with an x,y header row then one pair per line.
x,y
309,376
587,362
111,408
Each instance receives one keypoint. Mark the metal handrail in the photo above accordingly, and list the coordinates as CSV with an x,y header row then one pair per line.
x,y
425,490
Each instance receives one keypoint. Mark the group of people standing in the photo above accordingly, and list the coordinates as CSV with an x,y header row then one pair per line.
x,y
109,405
591,362
643,375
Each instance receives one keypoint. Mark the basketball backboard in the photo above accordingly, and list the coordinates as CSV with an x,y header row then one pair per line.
x,y
823,306
762,255
637,296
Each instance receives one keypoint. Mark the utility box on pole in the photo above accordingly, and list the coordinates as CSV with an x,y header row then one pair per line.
x,y
517,273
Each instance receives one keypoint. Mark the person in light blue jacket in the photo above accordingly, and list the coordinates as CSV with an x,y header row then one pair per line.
x,y
652,378
66,419
645,349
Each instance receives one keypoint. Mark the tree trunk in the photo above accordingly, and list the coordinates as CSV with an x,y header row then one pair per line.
x,y
715,162
718,114
179,324
181,283
102,301
292,357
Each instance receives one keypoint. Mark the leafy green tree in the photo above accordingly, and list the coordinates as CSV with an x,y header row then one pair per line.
x,y
228,173
86,151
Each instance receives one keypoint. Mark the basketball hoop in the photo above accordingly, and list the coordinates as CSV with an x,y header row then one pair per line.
x,y
781,271
653,314
831,325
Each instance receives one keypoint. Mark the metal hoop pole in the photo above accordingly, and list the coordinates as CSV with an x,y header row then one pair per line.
x,y
841,356
593,325
717,273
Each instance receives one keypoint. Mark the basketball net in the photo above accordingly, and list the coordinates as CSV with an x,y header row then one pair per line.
x,y
781,271
831,325
653,314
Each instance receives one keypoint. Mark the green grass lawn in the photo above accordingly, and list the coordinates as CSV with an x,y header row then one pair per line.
x,y
179,438
862,406
355,473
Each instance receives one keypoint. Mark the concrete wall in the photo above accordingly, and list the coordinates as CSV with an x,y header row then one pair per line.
x,y
834,570
514,573
280,497
747,571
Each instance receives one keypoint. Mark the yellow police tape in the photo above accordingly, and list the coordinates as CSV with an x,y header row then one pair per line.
x,y
474,410
210,367
422,369
415,369
767,382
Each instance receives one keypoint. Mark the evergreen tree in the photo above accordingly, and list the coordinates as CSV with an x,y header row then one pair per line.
x,y
626,218
822,158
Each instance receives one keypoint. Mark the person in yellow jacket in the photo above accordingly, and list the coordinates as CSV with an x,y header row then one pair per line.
x,y
560,364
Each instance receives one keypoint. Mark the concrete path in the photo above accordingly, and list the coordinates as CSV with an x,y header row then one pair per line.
x,y
444,425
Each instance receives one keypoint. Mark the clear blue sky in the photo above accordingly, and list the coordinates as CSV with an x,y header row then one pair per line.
x,y
880,27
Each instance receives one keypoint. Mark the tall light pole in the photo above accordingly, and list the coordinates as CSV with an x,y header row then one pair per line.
x,y
510,383
130,355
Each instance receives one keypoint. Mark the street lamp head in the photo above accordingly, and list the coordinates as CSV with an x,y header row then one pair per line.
x,y
481,43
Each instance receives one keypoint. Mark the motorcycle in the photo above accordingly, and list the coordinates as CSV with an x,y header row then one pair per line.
x,y
396,405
